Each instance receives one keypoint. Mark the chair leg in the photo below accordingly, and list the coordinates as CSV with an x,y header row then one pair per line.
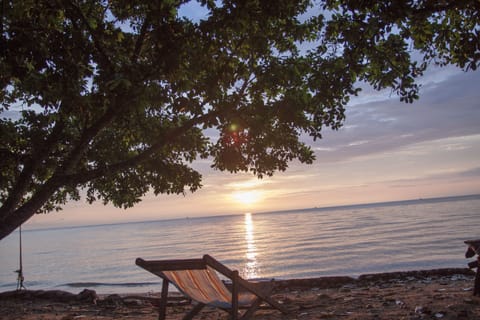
x,y
194,311
266,290
234,309
163,300
250,311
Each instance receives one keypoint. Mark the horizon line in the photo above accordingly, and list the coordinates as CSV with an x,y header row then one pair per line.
x,y
324,208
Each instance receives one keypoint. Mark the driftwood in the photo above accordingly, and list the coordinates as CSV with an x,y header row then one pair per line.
x,y
321,283
418,274
472,250
89,297
337,282
85,296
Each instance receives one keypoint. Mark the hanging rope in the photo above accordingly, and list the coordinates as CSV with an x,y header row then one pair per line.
x,y
20,277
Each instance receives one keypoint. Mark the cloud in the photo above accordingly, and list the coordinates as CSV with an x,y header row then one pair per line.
x,y
449,107
471,173
358,143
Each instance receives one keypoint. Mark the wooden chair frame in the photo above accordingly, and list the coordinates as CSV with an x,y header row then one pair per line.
x,y
261,290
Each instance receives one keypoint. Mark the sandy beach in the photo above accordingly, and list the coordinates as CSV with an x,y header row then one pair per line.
x,y
433,294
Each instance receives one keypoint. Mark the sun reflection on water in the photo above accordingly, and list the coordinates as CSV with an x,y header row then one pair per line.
x,y
251,267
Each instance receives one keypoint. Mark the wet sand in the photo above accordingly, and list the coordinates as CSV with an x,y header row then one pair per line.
x,y
434,294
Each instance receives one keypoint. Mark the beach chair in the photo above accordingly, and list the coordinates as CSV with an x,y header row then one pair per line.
x,y
198,279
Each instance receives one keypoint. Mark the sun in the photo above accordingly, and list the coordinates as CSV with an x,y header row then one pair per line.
x,y
247,197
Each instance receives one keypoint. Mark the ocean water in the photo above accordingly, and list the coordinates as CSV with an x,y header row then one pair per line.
x,y
352,240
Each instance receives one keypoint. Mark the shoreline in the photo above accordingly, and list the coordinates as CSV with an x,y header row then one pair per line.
x,y
422,294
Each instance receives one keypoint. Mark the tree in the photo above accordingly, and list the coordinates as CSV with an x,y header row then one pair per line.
x,y
113,98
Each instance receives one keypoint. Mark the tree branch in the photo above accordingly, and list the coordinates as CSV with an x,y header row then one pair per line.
x,y
88,175
39,153
89,134
435,6
140,40
77,12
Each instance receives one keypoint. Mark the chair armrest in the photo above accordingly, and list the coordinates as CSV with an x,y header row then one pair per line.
x,y
215,264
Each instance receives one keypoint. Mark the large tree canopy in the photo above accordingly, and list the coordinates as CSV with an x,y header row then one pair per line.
x,y
114,97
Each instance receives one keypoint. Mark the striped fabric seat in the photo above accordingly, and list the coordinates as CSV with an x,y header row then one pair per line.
x,y
205,286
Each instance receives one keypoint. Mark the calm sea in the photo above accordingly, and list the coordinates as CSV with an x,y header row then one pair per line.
x,y
353,240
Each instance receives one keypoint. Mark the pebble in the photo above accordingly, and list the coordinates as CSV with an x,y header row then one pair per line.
x,y
418,309
422,310
350,286
457,277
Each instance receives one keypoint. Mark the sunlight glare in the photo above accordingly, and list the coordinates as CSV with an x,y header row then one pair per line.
x,y
251,267
247,197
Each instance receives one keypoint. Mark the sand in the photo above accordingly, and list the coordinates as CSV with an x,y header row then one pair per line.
x,y
444,294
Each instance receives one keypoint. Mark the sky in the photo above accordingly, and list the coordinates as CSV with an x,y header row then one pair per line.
x,y
386,151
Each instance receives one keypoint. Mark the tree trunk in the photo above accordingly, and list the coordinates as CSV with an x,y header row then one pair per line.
x,y
12,220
